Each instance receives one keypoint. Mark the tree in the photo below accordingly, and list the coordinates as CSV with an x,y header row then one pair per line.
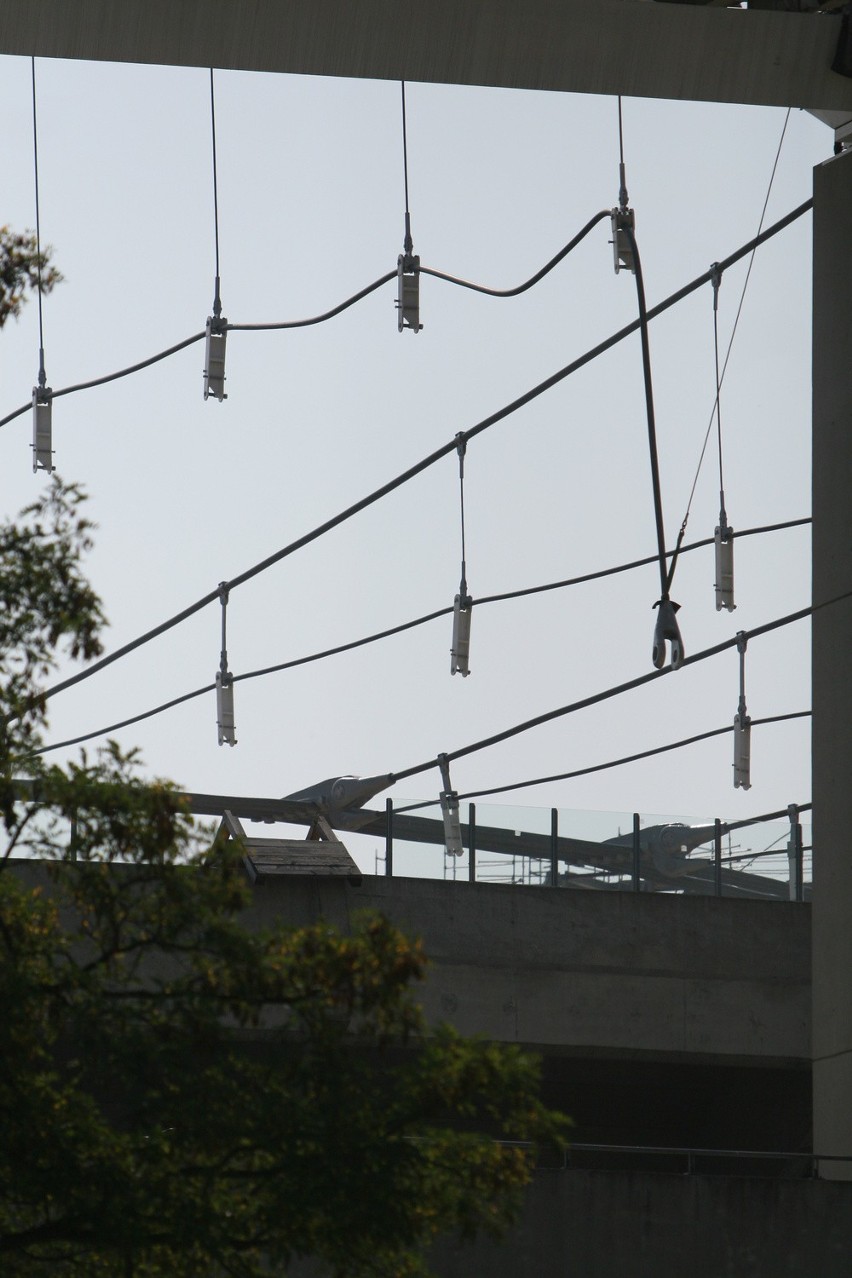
x,y
21,266
184,1096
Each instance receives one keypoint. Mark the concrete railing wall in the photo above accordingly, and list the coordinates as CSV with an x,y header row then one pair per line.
x,y
694,976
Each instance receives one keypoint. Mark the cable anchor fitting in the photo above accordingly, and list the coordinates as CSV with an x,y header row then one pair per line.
x,y
215,337
742,726
449,800
225,682
666,628
623,219
42,425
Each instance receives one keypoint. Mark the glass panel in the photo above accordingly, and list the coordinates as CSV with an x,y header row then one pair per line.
x,y
512,844
595,849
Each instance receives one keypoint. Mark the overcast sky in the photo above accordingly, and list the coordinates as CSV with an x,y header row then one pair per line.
x,y
187,493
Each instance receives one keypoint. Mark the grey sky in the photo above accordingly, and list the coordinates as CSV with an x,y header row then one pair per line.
x,y
188,493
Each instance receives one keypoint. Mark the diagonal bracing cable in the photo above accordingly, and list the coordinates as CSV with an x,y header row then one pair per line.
x,y
405,476
400,629
720,376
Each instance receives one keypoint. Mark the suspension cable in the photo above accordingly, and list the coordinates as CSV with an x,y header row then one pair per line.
x,y
665,577
534,279
672,300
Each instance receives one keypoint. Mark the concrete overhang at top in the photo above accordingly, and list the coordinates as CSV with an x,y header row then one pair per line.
x,y
634,47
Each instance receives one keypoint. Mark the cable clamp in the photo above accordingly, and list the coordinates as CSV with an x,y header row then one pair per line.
x,y
225,708
462,614
408,292
623,219
724,543
665,629
742,726
449,801
42,444
215,337
225,681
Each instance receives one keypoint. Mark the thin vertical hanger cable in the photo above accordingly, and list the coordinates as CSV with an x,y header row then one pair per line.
x,y
407,264
462,449
462,604
622,180
721,376
217,301
717,279
408,243
42,376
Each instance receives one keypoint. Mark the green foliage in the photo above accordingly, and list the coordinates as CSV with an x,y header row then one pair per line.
x,y
20,268
183,1095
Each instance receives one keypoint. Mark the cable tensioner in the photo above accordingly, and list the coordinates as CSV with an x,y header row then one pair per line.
x,y
449,800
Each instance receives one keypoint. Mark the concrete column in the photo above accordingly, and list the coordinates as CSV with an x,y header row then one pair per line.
x,y
832,663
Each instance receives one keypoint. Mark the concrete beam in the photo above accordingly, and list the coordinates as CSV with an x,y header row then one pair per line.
x,y
832,644
584,46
